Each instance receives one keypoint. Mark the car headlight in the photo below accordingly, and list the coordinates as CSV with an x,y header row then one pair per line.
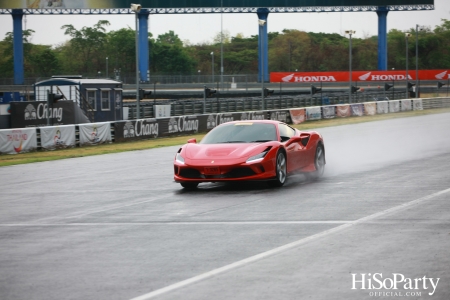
x,y
179,158
258,156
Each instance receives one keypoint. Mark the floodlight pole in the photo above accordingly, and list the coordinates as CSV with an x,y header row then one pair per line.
x,y
350,33
136,8
407,35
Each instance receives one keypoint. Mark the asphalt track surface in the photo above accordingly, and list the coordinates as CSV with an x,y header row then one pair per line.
x,y
117,227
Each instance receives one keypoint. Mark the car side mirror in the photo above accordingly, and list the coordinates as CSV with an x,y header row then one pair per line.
x,y
192,141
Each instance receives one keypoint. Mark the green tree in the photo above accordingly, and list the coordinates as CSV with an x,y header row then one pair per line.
x,y
88,45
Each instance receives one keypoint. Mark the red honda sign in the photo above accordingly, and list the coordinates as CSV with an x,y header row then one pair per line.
x,y
310,77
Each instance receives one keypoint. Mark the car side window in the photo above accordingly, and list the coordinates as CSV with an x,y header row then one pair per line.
x,y
286,132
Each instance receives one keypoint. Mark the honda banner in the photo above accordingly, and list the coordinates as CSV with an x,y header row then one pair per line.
x,y
95,133
310,77
13,141
57,137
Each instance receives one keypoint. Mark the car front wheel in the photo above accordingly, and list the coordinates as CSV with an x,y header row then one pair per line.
x,y
281,170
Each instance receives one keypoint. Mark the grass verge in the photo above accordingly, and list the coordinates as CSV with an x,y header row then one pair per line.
x,y
40,156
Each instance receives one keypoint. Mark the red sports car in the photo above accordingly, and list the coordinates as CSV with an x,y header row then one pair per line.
x,y
250,150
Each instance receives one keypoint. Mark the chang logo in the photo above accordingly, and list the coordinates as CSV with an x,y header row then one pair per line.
x,y
173,125
223,118
30,112
128,130
211,122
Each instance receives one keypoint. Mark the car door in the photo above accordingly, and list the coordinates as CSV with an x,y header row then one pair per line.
x,y
295,157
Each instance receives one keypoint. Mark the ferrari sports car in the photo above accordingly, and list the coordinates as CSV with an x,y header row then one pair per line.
x,y
250,150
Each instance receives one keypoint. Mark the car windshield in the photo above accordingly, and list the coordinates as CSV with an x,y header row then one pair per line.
x,y
244,132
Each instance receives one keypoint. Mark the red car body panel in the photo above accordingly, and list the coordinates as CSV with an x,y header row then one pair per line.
x,y
228,162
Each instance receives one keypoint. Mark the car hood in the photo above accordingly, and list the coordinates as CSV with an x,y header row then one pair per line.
x,y
223,151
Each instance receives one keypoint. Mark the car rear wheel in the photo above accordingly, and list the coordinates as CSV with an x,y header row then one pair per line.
x,y
281,170
319,163
189,185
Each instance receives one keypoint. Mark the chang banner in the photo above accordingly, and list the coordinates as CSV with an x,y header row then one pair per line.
x,y
13,141
57,137
280,115
35,113
95,133
136,130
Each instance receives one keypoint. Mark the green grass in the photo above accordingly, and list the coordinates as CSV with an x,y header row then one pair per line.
x,y
40,156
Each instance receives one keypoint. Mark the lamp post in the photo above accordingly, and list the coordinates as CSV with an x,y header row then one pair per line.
x,y
262,23
107,67
212,66
137,8
221,44
407,35
350,33
417,60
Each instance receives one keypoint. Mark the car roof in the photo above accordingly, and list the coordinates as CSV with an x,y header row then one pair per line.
x,y
256,121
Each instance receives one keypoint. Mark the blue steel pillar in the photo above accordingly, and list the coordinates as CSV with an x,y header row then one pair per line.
x,y
17,15
263,38
382,38
144,75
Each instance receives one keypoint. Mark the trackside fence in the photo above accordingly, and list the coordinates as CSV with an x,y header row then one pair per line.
x,y
20,140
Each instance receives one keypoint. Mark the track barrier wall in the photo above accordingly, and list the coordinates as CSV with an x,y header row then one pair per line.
x,y
20,140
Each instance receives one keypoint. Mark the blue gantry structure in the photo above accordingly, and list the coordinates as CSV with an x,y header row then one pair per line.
x,y
262,13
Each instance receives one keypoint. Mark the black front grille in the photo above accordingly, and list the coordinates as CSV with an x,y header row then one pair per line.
x,y
239,172
190,173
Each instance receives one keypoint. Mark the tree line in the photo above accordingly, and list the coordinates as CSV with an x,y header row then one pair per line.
x,y
86,50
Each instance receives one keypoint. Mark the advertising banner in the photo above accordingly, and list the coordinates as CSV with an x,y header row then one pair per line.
x,y
417,104
406,105
370,108
34,114
253,115
95,133
13,141
161,111
313,113
328,112
357,109
382,107
298,115
280,115
57,137
136,130
343,111
357,76
61,4
394,106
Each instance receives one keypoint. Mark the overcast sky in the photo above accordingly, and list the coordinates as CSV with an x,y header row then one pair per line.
x,y
198,28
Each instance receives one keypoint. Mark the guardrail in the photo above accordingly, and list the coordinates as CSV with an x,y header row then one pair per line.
x,y
18,140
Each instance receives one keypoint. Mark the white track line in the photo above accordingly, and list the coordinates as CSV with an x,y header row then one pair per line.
x,y
176,223
278,250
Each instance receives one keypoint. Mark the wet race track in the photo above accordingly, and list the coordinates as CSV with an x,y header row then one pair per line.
x,y
376,226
